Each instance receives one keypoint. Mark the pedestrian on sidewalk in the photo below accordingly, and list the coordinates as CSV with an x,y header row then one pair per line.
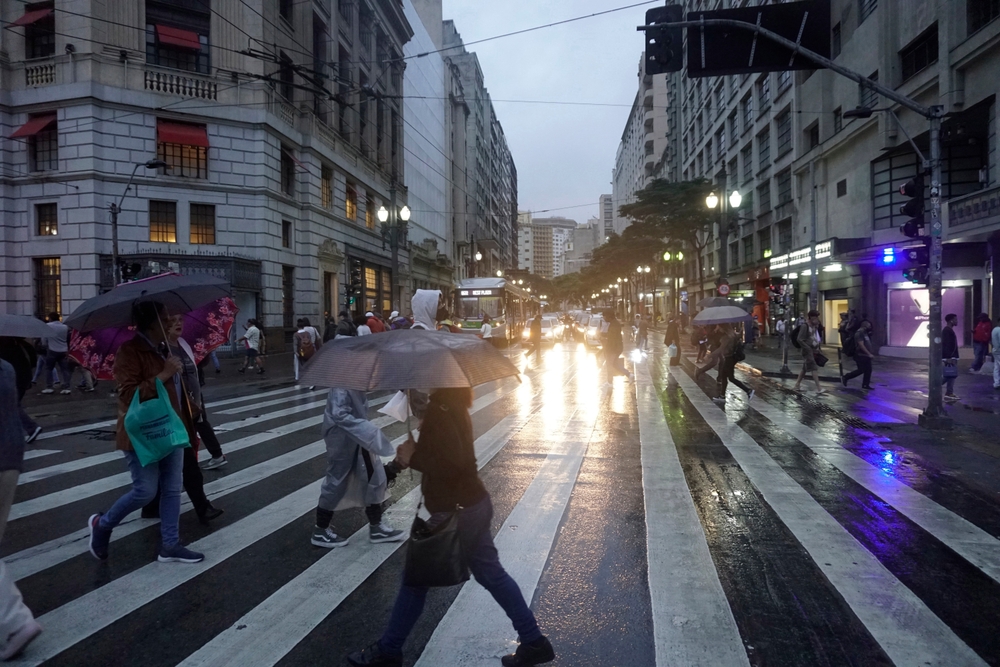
x,y
995,341
673,334
56,356
863,355
486,331
445,456
949,354
361,326
779,328
21,356
355,476
981,341
535,336
253,338
731,352
18,626
699,337
643,336
374,322
810,337
139,363
613,348
304,344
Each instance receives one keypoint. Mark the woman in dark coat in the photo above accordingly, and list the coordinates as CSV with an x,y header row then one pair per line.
x,y
446,457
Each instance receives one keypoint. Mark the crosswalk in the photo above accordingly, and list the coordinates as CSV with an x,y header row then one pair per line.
x,y
765,534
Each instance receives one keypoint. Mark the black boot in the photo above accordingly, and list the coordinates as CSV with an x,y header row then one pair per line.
x,y
533,653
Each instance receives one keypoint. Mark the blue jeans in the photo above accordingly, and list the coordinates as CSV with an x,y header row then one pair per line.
x,y
164,475
52,361
980,351
484,563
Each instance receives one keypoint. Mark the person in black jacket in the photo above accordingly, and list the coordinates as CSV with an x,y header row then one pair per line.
x,y
22,356
446,457
949,352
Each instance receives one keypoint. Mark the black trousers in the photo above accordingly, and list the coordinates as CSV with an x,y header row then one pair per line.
x,y
208,437
727,374
864,368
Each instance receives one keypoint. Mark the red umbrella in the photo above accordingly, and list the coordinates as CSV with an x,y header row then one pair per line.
x,y
205,329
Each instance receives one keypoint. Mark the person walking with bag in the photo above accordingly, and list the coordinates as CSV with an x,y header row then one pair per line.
x,y
143,366
445,456
18,626
809,342
863,356
731,350
949,353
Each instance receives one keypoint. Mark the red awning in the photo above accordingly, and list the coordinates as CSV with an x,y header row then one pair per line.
x,y
181,133
34,16
297,161
34,126
184,39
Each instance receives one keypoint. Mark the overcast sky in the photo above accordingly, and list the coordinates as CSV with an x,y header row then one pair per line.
x,y
564,154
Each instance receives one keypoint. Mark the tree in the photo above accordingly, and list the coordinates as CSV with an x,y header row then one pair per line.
x,y
677,212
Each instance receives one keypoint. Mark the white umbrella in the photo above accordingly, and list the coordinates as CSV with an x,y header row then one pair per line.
x,y
721,315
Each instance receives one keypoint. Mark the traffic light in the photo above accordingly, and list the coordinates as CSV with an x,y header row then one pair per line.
x,y
914,208
354,288
920,255
664,43
129,270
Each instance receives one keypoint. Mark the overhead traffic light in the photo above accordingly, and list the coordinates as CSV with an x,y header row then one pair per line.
x,y
921,256
914,208
129,270
664,43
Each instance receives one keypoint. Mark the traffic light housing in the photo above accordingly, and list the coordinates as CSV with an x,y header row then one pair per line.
x,y
664,44
354,288
129,270
921,256
914,208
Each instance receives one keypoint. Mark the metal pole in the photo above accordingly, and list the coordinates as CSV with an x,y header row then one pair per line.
x,y
724,231
787,335
394,246
116,277
934,416
814,264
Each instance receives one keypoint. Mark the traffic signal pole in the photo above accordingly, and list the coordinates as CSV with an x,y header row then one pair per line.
x,y
933,416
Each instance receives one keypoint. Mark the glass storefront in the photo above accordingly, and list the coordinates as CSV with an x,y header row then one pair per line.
x,y
909,314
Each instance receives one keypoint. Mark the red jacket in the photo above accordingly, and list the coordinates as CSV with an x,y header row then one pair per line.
x,y
982,332
375,324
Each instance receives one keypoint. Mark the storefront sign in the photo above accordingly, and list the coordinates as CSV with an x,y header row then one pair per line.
x,y
801,256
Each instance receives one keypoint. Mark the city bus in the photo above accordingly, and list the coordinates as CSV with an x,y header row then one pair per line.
x,y
507,305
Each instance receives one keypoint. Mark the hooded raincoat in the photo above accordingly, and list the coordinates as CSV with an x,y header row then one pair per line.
x,y
347,432
425,307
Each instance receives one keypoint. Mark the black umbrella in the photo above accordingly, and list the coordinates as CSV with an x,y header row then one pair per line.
x,y
24,326
180,294
406,359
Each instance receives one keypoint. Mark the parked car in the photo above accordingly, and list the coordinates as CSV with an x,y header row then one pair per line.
x,y
552,329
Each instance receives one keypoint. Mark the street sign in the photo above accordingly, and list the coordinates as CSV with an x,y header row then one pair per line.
x,y
724,289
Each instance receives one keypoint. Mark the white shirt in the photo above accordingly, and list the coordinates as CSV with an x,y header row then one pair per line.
x,y
313,333
487,330
253,338
780,328
364,330
57,343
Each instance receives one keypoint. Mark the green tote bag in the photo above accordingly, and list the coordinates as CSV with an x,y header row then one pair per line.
x,y
154,427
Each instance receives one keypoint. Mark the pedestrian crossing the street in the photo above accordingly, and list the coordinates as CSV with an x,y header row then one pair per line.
x,y
763,532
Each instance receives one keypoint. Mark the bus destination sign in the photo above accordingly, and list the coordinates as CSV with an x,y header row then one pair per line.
x,y
478,292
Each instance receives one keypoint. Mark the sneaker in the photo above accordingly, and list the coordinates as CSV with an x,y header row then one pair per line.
x,y
211,513
532,653
751,395
99,537
260,371
48,390
218,370
241,370
65,392
179,554
88,390
385,533
34,434
326,538
374,656
843,380
214,462
719,399
950,397
19,639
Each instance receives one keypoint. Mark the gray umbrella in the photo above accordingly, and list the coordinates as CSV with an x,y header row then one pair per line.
x,y
406,359
715,302
721,315
24,326
180,294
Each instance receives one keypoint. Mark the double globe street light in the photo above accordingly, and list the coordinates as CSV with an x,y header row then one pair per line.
x,y
712,201
394,231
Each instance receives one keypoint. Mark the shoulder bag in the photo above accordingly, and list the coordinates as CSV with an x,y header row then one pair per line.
x,y
154,427
434,554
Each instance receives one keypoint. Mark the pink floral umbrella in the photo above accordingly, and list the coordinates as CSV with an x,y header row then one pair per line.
x,y
204,329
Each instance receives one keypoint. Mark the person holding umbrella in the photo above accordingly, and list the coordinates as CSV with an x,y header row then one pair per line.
x,y
138,364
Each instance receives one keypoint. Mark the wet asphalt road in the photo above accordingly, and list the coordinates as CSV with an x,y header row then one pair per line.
x,y
645,523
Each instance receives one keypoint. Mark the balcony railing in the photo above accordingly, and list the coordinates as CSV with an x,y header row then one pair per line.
x,y
41,74
184,84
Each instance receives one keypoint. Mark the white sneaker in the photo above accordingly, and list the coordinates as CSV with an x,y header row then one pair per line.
x,y
385,533
214,462
65,392
751,395
49,390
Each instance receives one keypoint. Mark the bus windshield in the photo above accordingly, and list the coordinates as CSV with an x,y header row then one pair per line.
x,y
473,308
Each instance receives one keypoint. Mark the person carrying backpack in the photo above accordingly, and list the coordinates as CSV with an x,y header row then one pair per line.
x,y
731,349
863,355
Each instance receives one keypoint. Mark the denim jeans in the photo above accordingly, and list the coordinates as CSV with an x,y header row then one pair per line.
x,y
979,349
484,563
165,476
52,361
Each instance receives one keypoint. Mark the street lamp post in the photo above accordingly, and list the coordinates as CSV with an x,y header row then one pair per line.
x,y
394,227
724,204
116,272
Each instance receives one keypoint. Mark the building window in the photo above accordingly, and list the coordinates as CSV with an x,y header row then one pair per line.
x,y
784,80
288,296
177,35
784,181
842,188
747,106
351,202
764,92
764,149
838,120
812,136
866,7
734,129
734,254
346,10
39,23
764,242
48,286
286,233
783,127
162,221
286,77
747,154
46,223
345,83
285,9
44,146
764,198
980,12
326,188
920,53
720,143
869,98
369,213
202,224
748,257
835,41
287,172
733,169
183,147
784,237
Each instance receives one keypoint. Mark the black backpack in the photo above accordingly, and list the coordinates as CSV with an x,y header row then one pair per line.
x,y
739,354
795,335
850,346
